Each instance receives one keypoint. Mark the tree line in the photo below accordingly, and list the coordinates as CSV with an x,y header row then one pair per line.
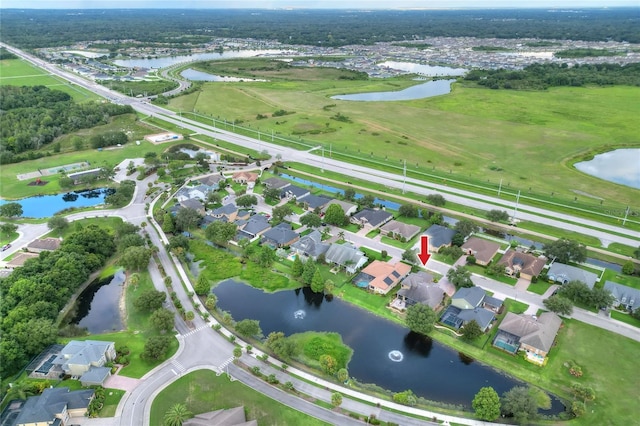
x,y
34,116
543,76
34,294
189,28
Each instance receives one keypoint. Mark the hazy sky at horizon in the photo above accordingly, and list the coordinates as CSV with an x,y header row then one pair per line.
x,y
310,4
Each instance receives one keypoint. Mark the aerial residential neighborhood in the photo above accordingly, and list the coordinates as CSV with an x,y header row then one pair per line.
x,y
208,220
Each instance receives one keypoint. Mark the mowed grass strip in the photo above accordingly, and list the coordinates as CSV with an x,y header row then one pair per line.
x,y
528,139
202,391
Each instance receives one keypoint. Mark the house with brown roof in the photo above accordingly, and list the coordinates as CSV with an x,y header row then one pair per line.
x,y
245,178
348,208
483,250
19,259
44,244
534,335
370,218
399,230
526,264
382,276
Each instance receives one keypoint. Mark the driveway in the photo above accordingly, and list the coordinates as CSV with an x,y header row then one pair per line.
x,y
121,382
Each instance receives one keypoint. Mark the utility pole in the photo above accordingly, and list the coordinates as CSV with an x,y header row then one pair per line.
x,y
515,211
500,187
404,175
626,213
330,154
322,169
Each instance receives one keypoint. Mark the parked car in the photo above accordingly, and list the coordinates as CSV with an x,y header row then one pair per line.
x,y
6,247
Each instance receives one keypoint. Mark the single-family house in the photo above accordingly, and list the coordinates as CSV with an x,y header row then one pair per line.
x,y
44,244
310,245
86,359
281,235
228,212
534,335
212,181
193,203
275,183
55,406
483,250
561,273
467,305
417,288
439,236
200,192
345,256
371,219
625,297
245,178
223,417
526,264
253,227
294,192
182,194
380,277
19,259
399,230
313,202
348,208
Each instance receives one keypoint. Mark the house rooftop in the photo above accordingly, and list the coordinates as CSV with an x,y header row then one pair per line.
x,y
483,250
311,244
49,244
44,408
280,234
472,295
276,183
406,230
439,235
385,274
538,332
372,217
528,263
225,210
316,201
562,273
625,295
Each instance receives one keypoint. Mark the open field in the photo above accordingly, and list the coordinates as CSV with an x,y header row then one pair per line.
x,y
16,72
527,139
202,391
616,388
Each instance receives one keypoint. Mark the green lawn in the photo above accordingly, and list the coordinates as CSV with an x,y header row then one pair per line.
x,y
625,317
493,126
17,72
620,278
481,270
202,391
540,287
107,223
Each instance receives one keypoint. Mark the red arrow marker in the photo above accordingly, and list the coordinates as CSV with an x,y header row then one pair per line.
x,y
424,249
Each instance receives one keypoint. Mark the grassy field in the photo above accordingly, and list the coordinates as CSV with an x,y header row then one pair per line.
x,y
16,72
514,136
202,391
616,388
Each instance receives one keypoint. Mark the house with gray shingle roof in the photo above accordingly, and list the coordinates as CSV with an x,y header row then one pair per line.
x,y
78,356
224,417
399,230
439,236
348,208
346,256
625,297
276,183
561,273
313,202
467,305
293,191
255,226
310,245
534,335
228,211
281,235
371,219
54,406
419,287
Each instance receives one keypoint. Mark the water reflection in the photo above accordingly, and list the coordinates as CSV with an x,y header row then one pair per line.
x,y
619,166
418,344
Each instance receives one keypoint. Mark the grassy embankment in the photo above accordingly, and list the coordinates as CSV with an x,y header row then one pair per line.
x,y
527,139
16,72
203,391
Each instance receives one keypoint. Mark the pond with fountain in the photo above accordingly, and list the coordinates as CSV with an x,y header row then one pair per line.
x,y
384,353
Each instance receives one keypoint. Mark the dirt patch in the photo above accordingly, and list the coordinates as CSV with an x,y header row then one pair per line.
x,y
38,182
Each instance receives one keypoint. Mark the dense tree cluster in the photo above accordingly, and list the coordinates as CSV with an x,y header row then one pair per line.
x,y
543,76
34,294
34,116
43,28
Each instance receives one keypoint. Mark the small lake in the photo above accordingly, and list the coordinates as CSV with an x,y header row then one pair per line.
x,y
426,70
385,203
167,61
195,75
419,91
97,308
384,352
620,166
40,206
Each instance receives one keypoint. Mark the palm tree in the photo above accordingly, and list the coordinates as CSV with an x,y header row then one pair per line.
x,y
134,279
20,390
341,235
176,415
